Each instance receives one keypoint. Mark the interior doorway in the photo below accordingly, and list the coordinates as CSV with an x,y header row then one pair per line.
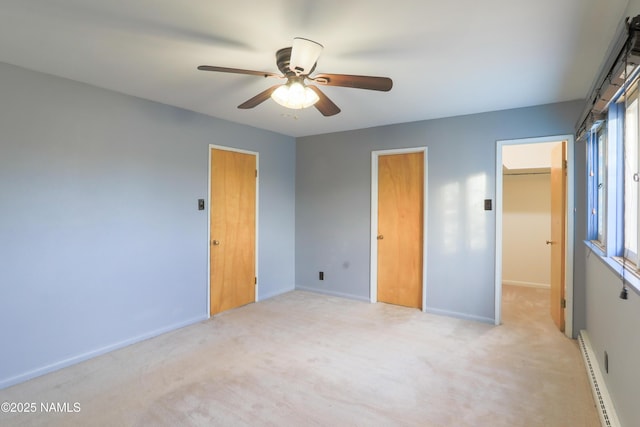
x,y
233,196
523,227
398,227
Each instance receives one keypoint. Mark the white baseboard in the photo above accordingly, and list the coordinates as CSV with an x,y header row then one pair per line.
x,y
275,293
427,310
7,382
604,404
459,315
332,293
526,284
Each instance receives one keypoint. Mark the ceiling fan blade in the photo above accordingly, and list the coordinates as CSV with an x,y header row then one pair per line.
x,y
359,82
304,54
238,71
258,99
324,105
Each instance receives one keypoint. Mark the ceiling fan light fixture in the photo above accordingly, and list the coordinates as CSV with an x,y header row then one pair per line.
x,y
295,96
304,54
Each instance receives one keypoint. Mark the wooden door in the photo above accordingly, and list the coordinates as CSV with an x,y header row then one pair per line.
x,y
400,228
233,230
558,243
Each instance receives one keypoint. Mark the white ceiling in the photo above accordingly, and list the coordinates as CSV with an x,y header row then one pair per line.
x,y
446,58
527,156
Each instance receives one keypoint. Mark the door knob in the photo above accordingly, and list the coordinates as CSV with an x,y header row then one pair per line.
x,y
549,242
380,237
215,242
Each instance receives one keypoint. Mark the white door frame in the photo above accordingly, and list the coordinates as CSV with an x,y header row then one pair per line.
x,y
238,150
373,285
569,222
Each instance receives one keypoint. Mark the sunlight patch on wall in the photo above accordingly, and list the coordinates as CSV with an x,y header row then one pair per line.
x,y
451,211
476,219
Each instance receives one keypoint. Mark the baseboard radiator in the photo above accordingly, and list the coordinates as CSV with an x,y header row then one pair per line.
x,y
604,404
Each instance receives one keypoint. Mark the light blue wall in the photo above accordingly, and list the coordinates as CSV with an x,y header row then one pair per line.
x,y
612,326
333,187
101,242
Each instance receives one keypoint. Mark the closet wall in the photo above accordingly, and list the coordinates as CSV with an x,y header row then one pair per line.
x,y
526,227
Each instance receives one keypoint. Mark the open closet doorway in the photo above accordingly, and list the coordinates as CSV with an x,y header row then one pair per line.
x,y
534,232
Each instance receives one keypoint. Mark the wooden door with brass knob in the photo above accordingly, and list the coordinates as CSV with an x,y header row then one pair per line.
x,y
557,242
400,228
232,241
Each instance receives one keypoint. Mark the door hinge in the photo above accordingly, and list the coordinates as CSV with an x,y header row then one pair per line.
x,y
563,303
256,173
565,165
255,280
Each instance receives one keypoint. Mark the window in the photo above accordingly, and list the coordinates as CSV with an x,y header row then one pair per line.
x,y
610,123
614,180
597,184
600,183
631,177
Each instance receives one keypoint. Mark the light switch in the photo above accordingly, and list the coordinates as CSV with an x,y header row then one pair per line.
x,y
200,204
488,204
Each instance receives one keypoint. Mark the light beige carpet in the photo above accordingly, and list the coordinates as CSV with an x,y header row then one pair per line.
x,y
304,359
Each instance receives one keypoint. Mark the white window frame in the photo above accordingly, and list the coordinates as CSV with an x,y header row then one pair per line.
x,y
631,129
602,183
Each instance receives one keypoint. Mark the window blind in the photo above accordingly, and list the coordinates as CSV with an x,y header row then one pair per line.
x,y
619,66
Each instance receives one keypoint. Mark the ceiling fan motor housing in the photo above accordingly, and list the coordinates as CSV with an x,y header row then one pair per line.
x,y
283,61
304,55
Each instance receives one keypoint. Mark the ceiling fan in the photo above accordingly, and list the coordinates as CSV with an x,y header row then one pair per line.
x,y
296,63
